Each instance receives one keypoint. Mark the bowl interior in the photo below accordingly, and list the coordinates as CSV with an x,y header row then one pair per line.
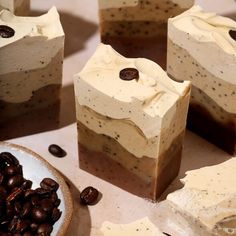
x,y
35,169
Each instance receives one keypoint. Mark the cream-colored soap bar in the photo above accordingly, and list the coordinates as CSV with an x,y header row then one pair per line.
x,y
202,49
208,200
31,55
18,7
133,129
143,227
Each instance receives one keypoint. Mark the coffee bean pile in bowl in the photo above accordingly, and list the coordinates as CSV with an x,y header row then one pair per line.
x,y
24,211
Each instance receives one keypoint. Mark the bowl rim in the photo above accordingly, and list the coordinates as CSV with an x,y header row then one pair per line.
x,y
61,181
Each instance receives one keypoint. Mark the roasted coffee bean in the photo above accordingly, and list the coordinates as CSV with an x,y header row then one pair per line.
x,y
56,214
43,192
89,196
54,197
8,157
26,209
10,210
22,225
28,233
35,200
15,181
34,227
15,195
57,202
6,31
49,184
56,151
39,215
129,74
17,207
45,228
3,193
12,225
232,34
13,170
1,178
4,233
46,205
29,193
27,184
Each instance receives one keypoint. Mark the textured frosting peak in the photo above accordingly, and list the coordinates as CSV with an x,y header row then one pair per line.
x,y
144,101
207,27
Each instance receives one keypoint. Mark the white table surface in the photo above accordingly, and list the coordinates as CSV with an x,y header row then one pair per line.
x,y
80,21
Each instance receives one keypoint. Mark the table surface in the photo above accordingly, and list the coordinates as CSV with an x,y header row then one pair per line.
x,y
80,22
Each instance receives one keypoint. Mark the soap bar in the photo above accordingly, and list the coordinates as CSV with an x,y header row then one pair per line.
x,y
131,121
138,28
143,227
208,199
18,7
202,49
31,54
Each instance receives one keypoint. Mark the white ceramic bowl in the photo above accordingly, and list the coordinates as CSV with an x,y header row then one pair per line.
x,y
35,168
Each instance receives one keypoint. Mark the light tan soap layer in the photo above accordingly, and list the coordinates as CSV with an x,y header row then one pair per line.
x,y
215,94
208,198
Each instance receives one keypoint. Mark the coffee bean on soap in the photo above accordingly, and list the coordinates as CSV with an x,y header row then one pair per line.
x,y
56,150
129,74
6,31
89,196
232,34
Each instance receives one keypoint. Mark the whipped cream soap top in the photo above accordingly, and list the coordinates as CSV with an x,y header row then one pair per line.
x,y
35,42
143,101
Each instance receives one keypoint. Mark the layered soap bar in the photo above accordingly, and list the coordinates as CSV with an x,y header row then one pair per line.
x,y
131,121
31,54
18,7
142,227
138,28
202,49
208,200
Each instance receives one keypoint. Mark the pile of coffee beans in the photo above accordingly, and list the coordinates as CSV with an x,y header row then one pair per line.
x,y
24,211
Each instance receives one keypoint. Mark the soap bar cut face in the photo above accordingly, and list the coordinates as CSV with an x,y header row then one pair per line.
x,y
138,28
18,7
142,227
130,128
31,54
202,49
208,200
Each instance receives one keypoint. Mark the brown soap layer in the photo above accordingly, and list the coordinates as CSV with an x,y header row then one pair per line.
x,y
40,113
146,177
153,48
203,123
